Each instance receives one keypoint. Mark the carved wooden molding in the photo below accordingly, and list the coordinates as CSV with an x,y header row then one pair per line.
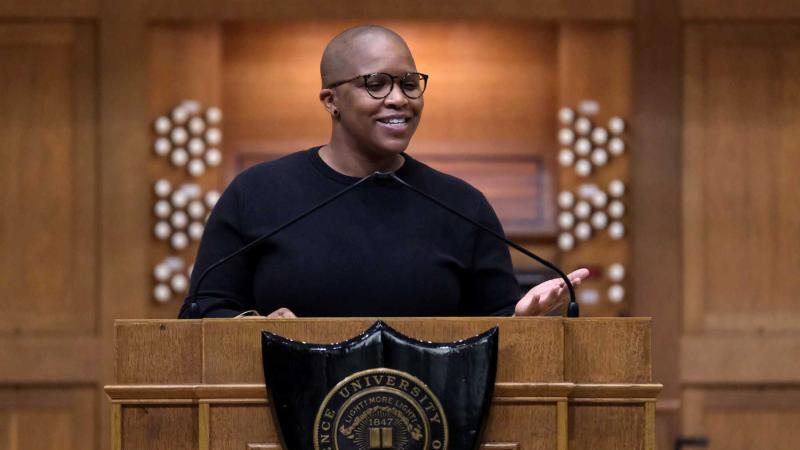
x,y
257,393
500,446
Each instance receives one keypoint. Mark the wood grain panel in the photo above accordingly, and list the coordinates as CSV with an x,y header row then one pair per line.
x,y
234,427
10,9
741,195
536,425
158,352
607,350
159,427
655,171
47,418
539,345
721,359
48,206
745,418
446,9
38,359
606,427
740,9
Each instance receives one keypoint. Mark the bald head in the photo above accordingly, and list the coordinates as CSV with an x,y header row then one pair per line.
x,y
341,55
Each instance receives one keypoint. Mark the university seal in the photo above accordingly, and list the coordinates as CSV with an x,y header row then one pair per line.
x,y
380,408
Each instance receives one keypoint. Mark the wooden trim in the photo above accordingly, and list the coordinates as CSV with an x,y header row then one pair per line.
x,y
116,427
48,9
504,392
616,391
740,9
562,416
533,389
31,359
721,359
650,426
204,426
619,10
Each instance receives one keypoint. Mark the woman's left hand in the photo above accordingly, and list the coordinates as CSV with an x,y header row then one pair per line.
x,y
545,297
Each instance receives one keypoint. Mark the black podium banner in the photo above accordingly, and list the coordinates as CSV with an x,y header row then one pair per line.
x,y
380,389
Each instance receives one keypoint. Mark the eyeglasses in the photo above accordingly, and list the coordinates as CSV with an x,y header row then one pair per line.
x,y
379,85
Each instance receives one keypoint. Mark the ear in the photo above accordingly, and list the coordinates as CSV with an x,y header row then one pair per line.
x,y
327,97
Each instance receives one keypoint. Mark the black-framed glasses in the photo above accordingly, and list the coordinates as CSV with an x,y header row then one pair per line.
x,y
379,85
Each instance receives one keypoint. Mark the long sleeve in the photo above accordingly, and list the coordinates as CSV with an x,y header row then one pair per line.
x,y
491,288
227,290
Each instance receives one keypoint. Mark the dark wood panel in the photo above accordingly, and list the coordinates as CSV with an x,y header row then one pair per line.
x,y
160,427
542,434
740,9
234,427
606,427
154,352
272,9
47,214
740,192
47,418
38,9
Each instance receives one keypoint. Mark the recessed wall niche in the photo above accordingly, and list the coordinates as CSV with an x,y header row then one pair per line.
x,y
491,108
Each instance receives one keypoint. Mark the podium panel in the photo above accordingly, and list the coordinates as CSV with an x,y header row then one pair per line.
x,y
561,383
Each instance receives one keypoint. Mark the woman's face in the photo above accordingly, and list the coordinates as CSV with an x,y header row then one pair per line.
x,y
380,127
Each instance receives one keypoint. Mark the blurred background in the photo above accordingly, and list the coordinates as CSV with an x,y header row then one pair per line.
x,y
653,141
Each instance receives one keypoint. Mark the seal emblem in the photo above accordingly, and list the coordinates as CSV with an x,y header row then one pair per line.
x,y
380,409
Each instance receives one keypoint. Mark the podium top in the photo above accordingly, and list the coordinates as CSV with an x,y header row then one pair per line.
x,y
540,349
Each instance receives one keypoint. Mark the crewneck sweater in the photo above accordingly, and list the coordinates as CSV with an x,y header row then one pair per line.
x,y
379,250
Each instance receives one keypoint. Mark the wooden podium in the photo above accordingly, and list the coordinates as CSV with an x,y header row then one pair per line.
x,y
582,384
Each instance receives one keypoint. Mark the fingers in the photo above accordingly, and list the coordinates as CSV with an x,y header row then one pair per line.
x,y
281,313
578,276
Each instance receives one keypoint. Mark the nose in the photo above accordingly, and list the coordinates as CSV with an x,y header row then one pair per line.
x,y
396,97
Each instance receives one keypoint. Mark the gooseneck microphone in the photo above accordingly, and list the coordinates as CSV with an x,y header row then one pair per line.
x,y
572,308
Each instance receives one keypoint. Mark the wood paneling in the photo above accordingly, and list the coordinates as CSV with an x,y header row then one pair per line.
x,y
743,418
605,427
741,219
445,9
720,359
42,359
741,195
176,342
655,195
624,357
159,427
740,9
235,426
41,9
47,418
541,346
48,212
542,417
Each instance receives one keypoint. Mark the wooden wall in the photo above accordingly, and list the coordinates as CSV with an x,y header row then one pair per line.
x,y
715,212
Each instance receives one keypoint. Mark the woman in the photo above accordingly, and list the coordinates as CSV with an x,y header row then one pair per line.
x,y
381,249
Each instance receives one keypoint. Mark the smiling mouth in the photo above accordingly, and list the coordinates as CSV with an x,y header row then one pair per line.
x,y
394,120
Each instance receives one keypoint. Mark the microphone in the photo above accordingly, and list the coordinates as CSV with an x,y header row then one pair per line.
x,y
573,309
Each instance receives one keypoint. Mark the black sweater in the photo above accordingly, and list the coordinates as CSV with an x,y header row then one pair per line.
x,y
380,250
